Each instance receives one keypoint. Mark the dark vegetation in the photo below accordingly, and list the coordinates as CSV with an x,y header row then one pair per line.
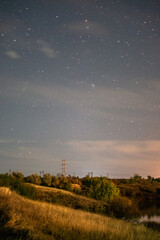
x,y
120,198
16,182
21,218
138,189
117,197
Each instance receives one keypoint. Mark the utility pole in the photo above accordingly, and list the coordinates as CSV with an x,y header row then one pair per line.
x,y
64,168
90,174
41,173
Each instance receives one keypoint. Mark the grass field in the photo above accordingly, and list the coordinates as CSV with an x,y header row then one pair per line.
x,y
68,199
22,218
121,207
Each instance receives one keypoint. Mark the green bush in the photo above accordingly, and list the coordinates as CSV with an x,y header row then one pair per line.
x,y
27,190
17,185
55,181
136,178
34,178
18,175
47,179
122,206
100,188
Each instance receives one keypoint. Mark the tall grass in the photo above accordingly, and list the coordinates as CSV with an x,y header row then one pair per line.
x,y
18,185
22,218
68,199
120,207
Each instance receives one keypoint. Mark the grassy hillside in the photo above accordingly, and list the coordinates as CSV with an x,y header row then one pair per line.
x,y
120,207
68,199
22,218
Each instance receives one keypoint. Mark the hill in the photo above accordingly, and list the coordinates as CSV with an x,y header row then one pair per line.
x,y
26,219
69,199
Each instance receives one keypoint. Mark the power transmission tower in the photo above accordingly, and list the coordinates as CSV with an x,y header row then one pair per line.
x,y
64,168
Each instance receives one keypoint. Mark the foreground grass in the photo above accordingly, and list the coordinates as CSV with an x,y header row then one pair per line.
x,y
22,218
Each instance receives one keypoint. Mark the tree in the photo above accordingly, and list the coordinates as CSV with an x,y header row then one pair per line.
x,y
34,178
136,178
55,181
150,179
47,179
18,175
64,183
100,188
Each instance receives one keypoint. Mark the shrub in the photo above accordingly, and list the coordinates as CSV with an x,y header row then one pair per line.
x,y
18,186
27,190
136,178
64,183
123,207
100,188
5,180
47,179
18,175
55,181
34,178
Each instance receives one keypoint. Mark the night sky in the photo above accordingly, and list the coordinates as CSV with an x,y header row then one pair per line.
x,y
80,80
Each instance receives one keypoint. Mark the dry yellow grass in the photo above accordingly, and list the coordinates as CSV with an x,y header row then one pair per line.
x,y
66,198
76,187
55,190
47,221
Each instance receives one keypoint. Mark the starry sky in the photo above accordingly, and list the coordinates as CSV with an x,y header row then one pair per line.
x,y
80,80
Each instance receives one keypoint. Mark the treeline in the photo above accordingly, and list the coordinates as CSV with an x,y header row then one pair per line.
x,y
99,188
113,197
136,178
106,194
141,191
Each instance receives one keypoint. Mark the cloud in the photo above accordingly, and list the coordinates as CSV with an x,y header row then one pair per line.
x,y
115,157
22,151
87,28
126,157
101,103
16,141
28,158
7,140
13,54
125,147
45,48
